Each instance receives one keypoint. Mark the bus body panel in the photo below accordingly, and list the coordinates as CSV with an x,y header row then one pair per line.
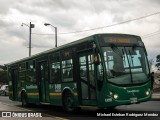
x,y
33,75
126,95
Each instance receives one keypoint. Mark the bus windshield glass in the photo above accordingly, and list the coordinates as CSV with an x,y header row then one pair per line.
x,y
126,65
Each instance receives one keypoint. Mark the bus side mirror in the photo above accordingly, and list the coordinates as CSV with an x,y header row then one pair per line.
x,y
96,59
95,55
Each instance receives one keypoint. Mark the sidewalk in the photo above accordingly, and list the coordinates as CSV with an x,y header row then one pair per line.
x,y
156,94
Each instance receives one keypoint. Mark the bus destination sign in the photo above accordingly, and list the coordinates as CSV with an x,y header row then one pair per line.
x,y
118,40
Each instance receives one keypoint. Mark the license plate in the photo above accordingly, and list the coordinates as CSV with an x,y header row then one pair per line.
x,y
133,100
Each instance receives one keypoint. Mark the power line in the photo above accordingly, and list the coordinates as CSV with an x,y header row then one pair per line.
x,y
144,37
151,33
111,25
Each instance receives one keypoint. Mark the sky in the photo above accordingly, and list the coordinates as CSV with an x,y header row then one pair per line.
x,y
70,16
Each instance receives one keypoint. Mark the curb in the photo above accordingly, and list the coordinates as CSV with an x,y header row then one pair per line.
x,y
155,96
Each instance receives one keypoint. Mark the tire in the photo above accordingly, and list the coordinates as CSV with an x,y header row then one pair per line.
x,y
68,102
24,99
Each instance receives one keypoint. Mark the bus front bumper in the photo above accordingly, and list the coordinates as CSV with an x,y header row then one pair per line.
x,y
111,102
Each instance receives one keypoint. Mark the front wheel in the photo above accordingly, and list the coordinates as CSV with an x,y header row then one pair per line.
x,y
24,99
68,102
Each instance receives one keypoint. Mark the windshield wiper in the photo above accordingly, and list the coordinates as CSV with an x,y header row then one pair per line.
x,y
129,66
134,47
123,57
116,50
131,57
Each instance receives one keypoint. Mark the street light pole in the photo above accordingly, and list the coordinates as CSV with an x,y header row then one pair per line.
x,y
46,24
55,36
30,32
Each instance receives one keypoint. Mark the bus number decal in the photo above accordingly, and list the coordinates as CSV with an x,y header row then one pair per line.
x,y
31,87
57,87
108,100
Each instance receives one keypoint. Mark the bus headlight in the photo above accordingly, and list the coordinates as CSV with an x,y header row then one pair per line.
x,y
115,96
147,93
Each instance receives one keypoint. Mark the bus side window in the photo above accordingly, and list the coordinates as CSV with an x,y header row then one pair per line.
x,y
67,66
83,68
91,69
31,71
55,68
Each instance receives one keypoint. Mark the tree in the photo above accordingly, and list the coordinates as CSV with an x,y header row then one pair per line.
x,y
158,58
150,63
158,61
3,67
3,75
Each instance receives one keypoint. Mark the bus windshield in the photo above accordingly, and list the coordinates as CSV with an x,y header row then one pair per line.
x,y
126,65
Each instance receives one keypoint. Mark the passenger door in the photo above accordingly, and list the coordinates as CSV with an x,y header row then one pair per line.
x,y
43,83
14,78
87,83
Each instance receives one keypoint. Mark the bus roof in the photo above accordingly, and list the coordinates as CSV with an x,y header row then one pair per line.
x,y
89,38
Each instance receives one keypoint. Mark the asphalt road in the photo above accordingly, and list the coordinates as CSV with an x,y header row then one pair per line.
x,y
150,107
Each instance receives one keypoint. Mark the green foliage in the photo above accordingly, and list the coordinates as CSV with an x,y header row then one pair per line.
x,y
3,75
158,58
3,67
150,62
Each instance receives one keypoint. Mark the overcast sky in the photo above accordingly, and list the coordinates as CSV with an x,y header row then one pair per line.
x,y
73,15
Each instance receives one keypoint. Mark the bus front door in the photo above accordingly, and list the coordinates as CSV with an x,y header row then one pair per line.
x,y
43,83
14,78
86,84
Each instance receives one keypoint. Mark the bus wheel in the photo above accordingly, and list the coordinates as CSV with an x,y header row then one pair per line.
x,y
68,102
24,99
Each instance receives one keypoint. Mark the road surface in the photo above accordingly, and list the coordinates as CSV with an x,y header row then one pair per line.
x,y
148,109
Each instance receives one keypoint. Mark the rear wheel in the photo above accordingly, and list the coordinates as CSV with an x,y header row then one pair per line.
x,y
68,102
24,99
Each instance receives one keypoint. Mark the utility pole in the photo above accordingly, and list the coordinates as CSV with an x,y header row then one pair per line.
x,y
55,36
46,24
30,32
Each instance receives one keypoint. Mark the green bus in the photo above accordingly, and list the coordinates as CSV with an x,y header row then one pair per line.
x,y
102,70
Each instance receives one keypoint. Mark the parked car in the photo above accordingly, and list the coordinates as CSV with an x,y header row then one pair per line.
x,y
4,90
